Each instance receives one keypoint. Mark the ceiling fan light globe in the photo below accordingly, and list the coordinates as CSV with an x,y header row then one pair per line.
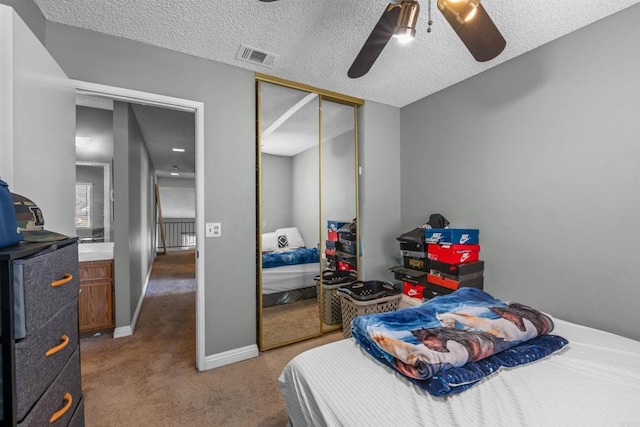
x,y
405,29
404,35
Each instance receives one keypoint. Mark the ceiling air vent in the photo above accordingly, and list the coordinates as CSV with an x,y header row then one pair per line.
x,y
250,54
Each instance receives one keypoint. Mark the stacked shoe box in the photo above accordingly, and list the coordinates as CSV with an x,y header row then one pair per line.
x,y
347,244
413,273
453,259
332,243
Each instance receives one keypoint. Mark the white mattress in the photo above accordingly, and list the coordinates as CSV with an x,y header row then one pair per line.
x,y
288,277
593,381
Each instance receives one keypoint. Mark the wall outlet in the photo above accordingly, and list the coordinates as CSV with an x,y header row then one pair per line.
x,y
213,229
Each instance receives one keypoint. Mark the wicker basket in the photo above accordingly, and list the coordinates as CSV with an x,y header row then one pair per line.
x,y
362,298
329,298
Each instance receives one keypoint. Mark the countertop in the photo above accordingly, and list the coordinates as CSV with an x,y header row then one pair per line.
x,y
95,251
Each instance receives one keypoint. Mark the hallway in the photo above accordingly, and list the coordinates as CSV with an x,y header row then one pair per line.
x,y
149,378
130,378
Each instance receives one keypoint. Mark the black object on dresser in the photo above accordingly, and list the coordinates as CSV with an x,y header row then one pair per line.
x,y
40,350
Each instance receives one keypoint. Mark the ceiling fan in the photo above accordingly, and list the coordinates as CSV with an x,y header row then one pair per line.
x,y
468,18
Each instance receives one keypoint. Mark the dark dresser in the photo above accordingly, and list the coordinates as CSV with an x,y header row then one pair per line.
x,y
40,351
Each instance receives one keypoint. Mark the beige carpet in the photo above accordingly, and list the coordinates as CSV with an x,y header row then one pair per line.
x,y
149,379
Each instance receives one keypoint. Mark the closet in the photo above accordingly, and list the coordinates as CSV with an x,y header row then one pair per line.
x,y
307,178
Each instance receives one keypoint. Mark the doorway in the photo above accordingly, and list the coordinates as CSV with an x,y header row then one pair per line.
x,y
197,108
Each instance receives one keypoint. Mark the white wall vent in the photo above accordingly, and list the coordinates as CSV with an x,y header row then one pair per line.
x,y
250,54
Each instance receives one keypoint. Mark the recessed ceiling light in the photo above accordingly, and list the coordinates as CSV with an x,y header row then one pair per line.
x,y
175,174
178,150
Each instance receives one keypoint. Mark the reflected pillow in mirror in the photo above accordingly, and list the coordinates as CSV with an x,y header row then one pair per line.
x,y
269,242
294,238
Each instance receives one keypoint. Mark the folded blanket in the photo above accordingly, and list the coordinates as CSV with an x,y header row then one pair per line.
x,y
455,340
290,257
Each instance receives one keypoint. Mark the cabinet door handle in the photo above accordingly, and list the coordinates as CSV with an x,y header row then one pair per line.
x,y
68,400
64,340
65,279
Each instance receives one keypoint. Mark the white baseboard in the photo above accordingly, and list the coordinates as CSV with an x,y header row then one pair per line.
x,y
125,331
231,356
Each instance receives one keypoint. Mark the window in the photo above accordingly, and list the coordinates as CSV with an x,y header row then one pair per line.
x,y
84,201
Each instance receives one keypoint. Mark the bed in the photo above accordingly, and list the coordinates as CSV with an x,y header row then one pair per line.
x,y
288,268
592,380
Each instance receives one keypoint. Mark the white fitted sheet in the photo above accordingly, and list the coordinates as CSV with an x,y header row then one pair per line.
x,y
289,277
593,381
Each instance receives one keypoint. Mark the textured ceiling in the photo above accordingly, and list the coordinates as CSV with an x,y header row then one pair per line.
x,y
317,40
315,43
163,130
290,117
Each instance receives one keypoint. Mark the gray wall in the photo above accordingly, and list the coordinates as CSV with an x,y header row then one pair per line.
x,y
305,201
379,189
277,191
177,197
134,214
229,155
338,187
37,122
178,202
338,179
542,154
31,15
96,124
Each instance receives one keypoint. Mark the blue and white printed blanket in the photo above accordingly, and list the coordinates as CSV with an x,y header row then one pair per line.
x,y
290,257
450,342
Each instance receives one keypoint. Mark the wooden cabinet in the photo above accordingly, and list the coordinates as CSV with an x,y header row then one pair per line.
x,y
96,311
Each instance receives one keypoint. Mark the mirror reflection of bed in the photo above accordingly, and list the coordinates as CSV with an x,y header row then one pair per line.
x,y
289,305
302,183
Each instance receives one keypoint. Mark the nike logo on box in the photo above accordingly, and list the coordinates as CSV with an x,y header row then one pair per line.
x,y
464,239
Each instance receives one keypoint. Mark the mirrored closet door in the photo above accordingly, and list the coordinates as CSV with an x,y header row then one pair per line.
x,y
307,176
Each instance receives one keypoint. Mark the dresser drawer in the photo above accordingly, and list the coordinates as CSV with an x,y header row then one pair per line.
x,y
77,420
34,369
61,398
46,283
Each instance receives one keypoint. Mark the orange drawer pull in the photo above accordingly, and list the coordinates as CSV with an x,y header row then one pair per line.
x,y
64,340
65,279
56,416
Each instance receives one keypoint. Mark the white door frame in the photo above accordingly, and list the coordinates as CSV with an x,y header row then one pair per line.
x,y
138,97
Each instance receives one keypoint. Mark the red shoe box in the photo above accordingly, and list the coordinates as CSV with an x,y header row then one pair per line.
x,y
413,290
453,254
343,266
332,235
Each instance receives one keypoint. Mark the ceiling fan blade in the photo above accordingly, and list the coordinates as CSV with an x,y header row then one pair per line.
x,y
376,42
479,35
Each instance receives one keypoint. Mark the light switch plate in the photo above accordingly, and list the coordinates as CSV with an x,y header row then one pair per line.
x,y
213,229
